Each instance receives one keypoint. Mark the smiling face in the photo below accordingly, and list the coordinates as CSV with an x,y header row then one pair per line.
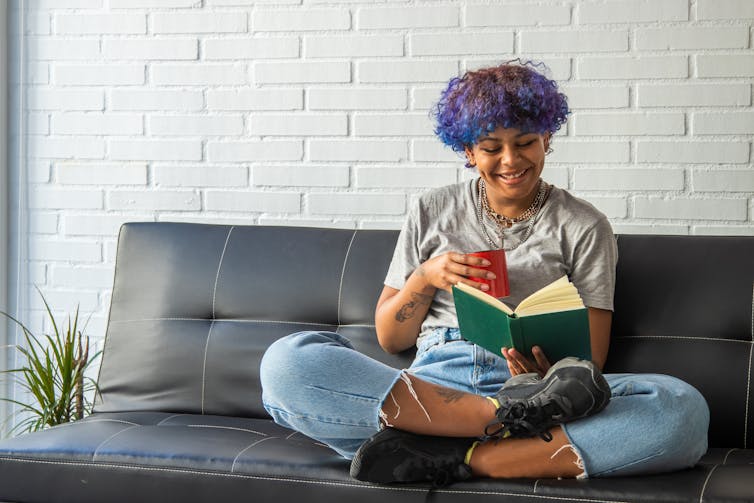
x,y
510,162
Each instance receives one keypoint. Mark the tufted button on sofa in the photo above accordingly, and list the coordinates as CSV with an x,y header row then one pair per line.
x,y
178,414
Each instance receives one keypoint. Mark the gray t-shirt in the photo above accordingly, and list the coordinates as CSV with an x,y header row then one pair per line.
x,y
569,236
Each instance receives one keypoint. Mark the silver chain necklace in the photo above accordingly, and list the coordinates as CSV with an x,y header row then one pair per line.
x,y
504,222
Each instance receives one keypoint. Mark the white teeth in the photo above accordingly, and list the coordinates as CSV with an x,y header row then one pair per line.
x,y
514,175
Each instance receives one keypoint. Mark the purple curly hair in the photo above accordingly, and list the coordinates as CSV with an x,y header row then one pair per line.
x,y
509,95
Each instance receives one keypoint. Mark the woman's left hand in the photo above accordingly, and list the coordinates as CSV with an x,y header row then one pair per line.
x,y
520,364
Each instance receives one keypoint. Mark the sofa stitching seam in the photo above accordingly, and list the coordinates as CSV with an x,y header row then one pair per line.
x,y
704,487
285,479
226,428
94,454
219,266
748,395
233,465
204,363
725,459
169,418
246,320
343,273
684,337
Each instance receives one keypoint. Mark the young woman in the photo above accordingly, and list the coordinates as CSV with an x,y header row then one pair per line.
x,y
459,410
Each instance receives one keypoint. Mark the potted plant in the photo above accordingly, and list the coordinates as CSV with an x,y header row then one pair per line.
x,y
53,373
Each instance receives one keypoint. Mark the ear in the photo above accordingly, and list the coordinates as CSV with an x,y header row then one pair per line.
x,y
546,141
469,156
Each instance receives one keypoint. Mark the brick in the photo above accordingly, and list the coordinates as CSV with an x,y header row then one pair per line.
x,y
725,9
37,73
390,225
424,98
66,99
723,123
693,152
434,151
57,198
297,176
64,4
60,49
155,150
85,147
406,71
629,67
581,97
97,124
517,15
567,151
573,41
354,98
413,124
237,3
92,24
251,150
196,125
356,204
98,225
723,180
612,207
730,37
37,24
101,174
300,20
65,251
43,223
358,150
299,124
397,178
725,65
556,176
200,176
688,208
632,11
66,301
439,44
148,99
37,123
434,16
251,48
637,124
252,201
154,200
656,229
151,49
99,75
353,46
302,72
629,179
38,171
693,95
198,22
255,99
723,230
198,74
82,276
156,4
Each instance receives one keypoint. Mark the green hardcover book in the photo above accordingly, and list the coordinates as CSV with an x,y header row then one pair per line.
x,y
553,318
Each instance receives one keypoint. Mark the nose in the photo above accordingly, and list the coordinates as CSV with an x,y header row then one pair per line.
x,y
508,155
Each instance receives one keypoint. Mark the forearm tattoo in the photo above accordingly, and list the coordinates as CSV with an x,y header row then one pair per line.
x,y
450,395
408,310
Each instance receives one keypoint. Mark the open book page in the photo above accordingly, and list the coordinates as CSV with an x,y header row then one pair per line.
x,y
560,295
489,299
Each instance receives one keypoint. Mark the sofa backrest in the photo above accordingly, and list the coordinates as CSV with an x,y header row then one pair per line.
x,y
194,307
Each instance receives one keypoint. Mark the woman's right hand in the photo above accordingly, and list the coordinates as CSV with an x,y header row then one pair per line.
x,y
451,268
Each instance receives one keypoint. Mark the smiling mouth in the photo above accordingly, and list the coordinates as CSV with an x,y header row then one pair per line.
x,y
513,176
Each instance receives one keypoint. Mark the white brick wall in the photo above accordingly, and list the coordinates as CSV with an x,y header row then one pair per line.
x,y
316,113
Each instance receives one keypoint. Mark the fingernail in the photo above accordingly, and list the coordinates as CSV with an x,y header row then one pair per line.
x,y
485,262
485,287
491,275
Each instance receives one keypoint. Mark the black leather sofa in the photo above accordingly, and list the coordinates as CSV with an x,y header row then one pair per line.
x,y
178,416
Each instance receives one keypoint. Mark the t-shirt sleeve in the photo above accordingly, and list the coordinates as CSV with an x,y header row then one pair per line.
x,y
595,259
406,255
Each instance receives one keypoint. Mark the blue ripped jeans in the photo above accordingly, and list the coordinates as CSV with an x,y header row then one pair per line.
x,y
316,383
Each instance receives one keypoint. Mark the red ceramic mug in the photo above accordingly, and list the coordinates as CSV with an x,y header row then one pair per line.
x,y
499,286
